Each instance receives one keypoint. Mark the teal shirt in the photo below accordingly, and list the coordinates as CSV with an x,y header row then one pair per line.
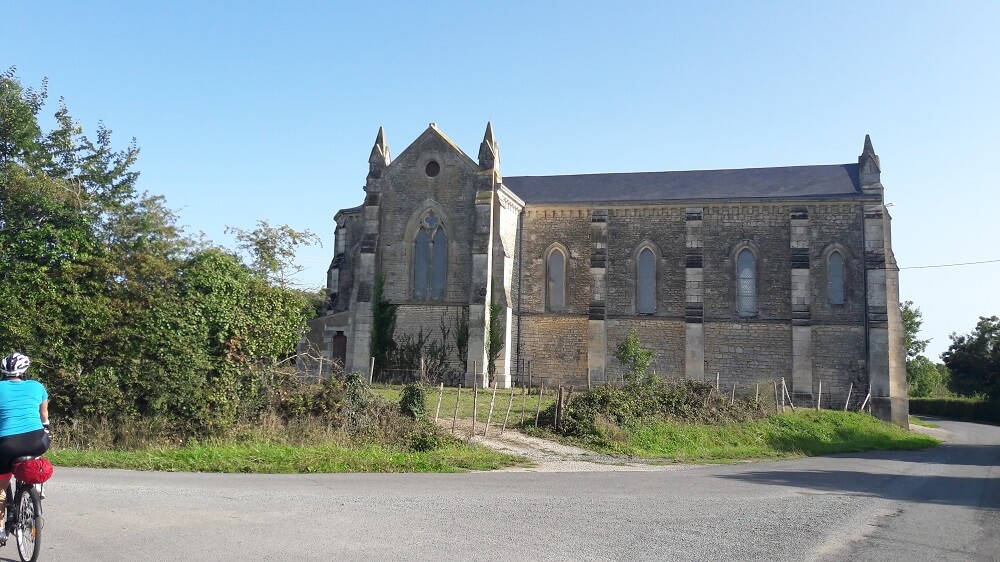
x,y
19,402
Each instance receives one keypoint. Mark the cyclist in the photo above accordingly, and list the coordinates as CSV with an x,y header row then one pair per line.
x,y
24,417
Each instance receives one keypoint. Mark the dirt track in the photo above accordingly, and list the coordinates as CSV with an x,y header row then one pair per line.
x,y
550,456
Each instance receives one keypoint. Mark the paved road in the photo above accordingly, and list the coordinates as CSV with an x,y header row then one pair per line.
x,y
939,504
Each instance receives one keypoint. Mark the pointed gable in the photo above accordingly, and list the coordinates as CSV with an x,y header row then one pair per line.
x,y
432,141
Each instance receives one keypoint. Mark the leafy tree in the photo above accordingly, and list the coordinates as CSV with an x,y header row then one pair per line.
x,y
123,314
912,320
272,249
923,376
635,358
974,359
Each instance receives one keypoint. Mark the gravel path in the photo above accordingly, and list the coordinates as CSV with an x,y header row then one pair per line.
x,y
551,456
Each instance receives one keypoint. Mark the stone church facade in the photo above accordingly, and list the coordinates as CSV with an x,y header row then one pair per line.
x,y
746,275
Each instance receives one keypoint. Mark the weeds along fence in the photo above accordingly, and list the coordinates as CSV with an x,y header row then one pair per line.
x,y
484,412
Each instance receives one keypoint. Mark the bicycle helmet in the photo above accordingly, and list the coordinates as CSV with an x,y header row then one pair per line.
x,y
14,365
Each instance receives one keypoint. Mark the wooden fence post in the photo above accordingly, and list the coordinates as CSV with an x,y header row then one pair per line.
x,y
819,395
371,372
475,406
440,397
458,399
849,391
489,417
510,403
538,407
559,407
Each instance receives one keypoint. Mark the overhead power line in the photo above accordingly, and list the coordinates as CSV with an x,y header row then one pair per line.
x,y
950,264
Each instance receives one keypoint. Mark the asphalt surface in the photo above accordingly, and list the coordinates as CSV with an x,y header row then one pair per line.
x,y
937,504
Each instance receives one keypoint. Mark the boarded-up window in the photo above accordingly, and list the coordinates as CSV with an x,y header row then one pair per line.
x,y
835,277
746,283
439,267
556,281
421,259
645,295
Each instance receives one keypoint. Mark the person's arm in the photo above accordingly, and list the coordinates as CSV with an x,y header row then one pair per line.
x,y
43,412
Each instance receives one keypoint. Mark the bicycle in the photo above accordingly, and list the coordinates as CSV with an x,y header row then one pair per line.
x,y
24,506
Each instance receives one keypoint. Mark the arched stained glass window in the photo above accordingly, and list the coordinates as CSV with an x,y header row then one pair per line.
x,y
835,277
439,266
645,294
421,257
430,259
746,283
556,276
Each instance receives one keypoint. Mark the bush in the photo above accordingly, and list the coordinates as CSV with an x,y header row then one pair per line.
x,y
413,402
968,409
597,412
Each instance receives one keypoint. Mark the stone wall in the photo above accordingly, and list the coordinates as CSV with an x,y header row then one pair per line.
x,y
837,226
543,228
556,345
747,352
664,336
765,229
839,360
663,230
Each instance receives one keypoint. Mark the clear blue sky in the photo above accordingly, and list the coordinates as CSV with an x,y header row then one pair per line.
x,y
267,110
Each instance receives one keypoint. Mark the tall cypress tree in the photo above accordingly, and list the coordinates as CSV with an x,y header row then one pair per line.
x,y
383,325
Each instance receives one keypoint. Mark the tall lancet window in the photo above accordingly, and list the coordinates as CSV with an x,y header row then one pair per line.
x,y
746,283
835,277
430,259
556,281
645,294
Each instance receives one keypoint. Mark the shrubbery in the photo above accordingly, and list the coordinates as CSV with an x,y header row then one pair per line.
x,y
968,409
599,413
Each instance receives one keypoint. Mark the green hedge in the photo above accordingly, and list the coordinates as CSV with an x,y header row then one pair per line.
x,y
968,409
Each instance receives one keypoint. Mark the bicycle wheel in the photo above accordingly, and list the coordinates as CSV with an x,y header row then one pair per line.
x,y
28,526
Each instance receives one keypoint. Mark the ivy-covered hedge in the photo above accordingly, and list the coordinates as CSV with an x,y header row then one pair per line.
x,y
966,409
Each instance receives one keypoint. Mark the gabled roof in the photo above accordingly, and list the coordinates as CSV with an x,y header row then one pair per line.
x,y
432,131
792,182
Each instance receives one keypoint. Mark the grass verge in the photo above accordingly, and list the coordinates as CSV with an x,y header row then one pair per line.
x,y
791,435
268,457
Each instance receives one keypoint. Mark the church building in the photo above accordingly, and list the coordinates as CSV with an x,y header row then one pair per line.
x,y
748,276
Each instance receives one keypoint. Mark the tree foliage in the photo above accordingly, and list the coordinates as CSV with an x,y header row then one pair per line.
x,y
382,344
974,359
923,377
635,358
121,312
494,338
913,319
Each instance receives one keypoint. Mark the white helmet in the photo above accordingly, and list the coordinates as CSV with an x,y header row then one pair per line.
x,y
14,365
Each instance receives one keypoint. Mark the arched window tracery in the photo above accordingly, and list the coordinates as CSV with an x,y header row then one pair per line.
x,y
430,259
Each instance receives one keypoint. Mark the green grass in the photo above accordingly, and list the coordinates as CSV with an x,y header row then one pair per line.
x,y
917,421
280,458
790,435
521,403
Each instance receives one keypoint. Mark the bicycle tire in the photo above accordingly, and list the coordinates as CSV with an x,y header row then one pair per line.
x,y
28,526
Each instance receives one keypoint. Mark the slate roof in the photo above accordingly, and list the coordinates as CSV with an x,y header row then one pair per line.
x,y
793,182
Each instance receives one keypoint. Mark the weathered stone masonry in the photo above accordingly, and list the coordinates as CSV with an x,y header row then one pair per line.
x,y
815,301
